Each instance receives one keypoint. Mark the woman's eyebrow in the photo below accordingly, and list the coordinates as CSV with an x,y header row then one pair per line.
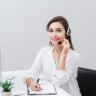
x,y
50,29
58,28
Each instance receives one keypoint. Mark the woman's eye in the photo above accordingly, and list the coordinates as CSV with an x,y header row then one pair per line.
x,y
50,31
59,30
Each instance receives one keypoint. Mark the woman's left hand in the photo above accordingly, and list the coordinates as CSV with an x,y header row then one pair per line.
x,y
66,46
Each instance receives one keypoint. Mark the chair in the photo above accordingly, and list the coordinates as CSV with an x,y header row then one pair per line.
x,y
87,81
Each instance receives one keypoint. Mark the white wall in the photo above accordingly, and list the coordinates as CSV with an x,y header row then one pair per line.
x,y
23,23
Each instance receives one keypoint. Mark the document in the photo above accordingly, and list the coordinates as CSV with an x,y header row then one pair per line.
x,y
48,89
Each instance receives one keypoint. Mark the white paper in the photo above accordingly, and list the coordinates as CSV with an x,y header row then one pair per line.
x,y
48,88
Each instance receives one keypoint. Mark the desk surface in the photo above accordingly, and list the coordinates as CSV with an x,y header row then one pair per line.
x,y
20,86
60,92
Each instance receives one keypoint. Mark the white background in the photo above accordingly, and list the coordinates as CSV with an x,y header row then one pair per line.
x,y
23,29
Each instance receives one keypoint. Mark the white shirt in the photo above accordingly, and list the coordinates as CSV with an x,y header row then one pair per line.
x,y
65,79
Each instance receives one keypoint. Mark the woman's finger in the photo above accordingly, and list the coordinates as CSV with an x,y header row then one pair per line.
x,y
38,87
66,41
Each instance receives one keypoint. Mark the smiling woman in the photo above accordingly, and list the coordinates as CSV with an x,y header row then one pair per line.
x,y
21,28
57,62
58,29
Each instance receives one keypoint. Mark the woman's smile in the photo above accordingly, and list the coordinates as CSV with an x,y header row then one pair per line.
x,y
55,40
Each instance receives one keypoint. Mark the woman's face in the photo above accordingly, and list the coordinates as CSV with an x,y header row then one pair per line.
x,y
56,32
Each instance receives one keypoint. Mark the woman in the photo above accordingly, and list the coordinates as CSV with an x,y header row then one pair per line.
x,y
59,61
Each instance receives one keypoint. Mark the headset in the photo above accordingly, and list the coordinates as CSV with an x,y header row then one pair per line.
x,y
67,33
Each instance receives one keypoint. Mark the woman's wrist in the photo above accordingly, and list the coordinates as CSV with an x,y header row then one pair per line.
x,y
63,55
65,51
62,62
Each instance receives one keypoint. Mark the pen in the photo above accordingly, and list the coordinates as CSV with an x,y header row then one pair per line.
x,y
38,80
39,84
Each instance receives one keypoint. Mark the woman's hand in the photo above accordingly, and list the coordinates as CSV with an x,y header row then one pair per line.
x,y
65,46
35,86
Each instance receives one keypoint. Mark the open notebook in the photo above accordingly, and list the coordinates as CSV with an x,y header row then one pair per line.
x,y
48,89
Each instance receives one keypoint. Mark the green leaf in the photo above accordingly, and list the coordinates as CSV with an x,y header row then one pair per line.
x,y
6,85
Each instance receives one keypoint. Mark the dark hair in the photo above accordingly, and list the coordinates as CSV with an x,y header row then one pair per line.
x,y
65,24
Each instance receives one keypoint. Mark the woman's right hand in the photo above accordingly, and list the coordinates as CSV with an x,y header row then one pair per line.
x,y
35,86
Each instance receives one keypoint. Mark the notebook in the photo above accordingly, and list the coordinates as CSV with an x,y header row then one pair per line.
x,y
48,89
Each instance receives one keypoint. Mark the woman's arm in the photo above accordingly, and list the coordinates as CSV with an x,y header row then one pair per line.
x,y
62,62
63,55
34,72
62,76
36,67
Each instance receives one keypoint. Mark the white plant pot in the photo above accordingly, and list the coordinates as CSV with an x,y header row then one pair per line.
x,y
6,93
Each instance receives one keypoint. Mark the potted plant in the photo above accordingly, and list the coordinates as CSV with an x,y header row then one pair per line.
x,y
6,86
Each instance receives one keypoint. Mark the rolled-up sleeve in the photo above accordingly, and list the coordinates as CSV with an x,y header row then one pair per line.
x,y
62,76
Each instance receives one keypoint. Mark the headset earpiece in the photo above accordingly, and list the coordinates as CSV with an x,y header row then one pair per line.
x,y
68,32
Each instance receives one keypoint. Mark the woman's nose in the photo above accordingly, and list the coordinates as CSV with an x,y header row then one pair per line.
x,y
54,33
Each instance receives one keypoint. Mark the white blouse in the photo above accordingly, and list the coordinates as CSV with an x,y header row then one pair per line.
x,y
65,79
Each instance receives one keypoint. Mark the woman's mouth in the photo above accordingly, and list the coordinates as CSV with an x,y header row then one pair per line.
x,y
55,40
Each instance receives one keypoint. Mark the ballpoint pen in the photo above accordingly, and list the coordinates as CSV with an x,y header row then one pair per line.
x,y
38,80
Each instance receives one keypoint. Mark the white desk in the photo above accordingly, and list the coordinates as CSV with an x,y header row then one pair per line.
x,y
60,92
20,86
